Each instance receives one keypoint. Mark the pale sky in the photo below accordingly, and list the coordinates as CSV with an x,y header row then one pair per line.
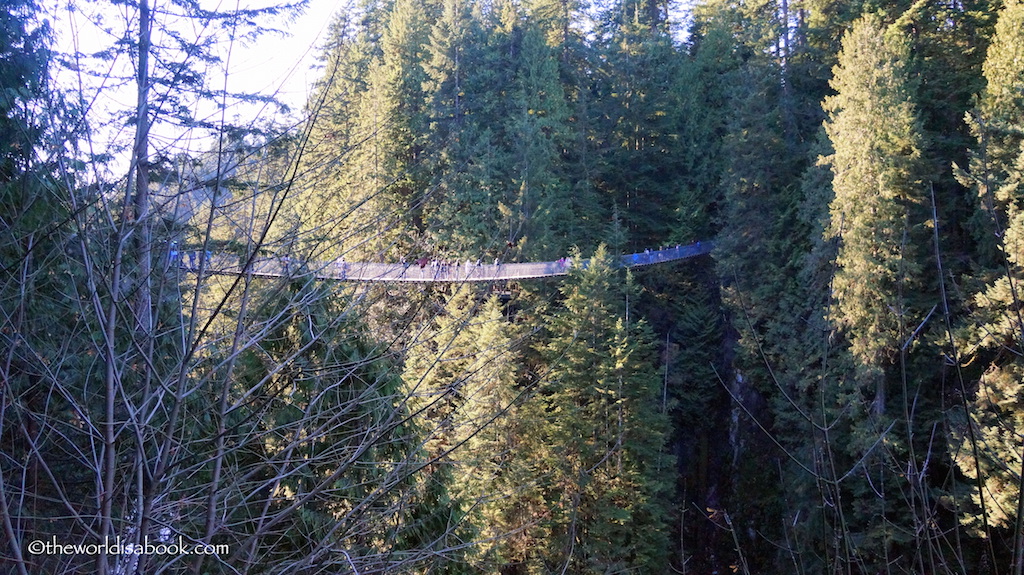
x,y
270,65
283,64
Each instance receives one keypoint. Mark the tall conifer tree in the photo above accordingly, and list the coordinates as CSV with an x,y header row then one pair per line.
x,y
989,452
878,216
44,344
597,435
463,377
878,211
383,151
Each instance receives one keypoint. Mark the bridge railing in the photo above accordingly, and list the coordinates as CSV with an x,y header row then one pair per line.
x,y
221,263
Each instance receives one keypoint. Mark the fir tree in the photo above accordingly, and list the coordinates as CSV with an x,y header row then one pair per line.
x,y
373,157
759,254
597,435
463,377
878,209
641,151
45,342
877,216
986,438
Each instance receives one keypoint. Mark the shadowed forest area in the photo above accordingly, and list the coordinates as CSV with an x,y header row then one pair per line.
x,y
835,389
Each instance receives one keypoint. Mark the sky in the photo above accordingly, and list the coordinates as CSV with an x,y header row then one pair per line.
x,y
280,64
285,64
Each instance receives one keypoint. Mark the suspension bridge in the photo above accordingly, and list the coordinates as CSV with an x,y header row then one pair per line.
x,y
419,271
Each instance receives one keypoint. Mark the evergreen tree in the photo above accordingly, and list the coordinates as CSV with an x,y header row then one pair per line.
x,y
760,246
641,112
463,377
878,210
994,124
597,435
986,438
45,340
373,153
320,465
540,212
461,81
325,201
877,216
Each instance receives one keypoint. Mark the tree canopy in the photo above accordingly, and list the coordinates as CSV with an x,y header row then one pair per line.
x,y
835,388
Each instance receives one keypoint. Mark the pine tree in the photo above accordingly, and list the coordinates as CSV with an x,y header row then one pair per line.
x,y
540,212
460,85
469,76
326,207
489,473
372,154
994,124
45,339
641,116
755,173
463,375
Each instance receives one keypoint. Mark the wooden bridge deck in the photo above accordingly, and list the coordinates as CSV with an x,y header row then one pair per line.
x,y
398,273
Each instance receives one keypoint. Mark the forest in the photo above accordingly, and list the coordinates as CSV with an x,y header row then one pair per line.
x,y
836,388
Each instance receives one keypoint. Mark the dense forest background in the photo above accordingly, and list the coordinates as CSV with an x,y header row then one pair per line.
x,y
836,389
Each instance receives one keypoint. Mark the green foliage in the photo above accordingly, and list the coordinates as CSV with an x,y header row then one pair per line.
x,y
367,183
996,461
877,211
462,377
47,338
995,126
984,436
1002,103
386,429
597,435
497,126
640,119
